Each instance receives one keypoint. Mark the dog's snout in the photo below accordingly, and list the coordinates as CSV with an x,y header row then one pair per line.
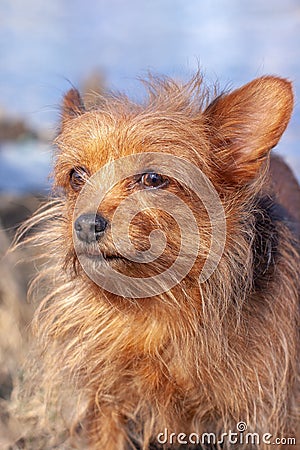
x,y
90,227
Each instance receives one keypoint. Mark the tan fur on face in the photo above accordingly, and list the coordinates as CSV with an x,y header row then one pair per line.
x,y
198,358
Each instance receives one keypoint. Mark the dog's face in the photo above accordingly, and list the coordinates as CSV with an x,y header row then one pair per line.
x,y
150,198
228,141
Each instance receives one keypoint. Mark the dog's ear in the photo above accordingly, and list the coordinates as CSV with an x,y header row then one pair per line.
x,y
247,123
72,106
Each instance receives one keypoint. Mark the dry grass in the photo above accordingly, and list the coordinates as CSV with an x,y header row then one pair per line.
x,y
20,425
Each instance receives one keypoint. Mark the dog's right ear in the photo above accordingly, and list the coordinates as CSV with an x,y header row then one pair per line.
x,y
72,106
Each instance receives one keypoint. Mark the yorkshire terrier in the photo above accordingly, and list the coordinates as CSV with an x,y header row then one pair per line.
x,y
179,360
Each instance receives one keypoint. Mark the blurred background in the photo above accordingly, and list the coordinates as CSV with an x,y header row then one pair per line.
x,y
45,47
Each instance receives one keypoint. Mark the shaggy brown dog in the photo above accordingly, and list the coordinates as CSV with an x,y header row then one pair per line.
x,y
193,357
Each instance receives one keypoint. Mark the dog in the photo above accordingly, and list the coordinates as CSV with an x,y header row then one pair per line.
x,y
209,350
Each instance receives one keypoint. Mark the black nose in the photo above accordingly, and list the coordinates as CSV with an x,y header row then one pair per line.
x,y
90,227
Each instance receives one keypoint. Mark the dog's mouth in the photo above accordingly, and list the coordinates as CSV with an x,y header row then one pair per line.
x,y
101,256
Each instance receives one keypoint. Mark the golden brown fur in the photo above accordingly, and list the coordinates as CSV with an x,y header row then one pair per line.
x,y
199,357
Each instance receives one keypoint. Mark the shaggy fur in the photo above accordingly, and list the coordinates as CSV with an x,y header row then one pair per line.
x,y
200,357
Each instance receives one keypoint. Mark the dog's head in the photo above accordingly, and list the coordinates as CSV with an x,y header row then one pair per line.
x,y
141,180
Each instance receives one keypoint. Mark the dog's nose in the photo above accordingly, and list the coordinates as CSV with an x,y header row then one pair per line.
x,y
90,227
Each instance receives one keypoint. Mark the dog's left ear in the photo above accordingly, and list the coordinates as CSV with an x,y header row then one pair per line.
x,y
246,124
72,106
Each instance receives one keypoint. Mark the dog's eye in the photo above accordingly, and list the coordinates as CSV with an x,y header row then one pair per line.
x,y
153,180
78,176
